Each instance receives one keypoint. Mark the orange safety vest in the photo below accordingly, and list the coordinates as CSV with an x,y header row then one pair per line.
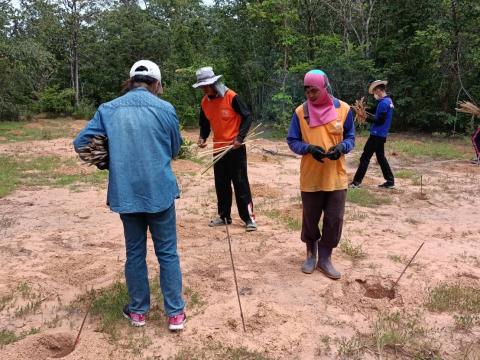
x,y
330,175
224,120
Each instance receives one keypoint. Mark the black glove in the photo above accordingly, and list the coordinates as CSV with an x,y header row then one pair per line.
x,y
102,165
335,152
317,152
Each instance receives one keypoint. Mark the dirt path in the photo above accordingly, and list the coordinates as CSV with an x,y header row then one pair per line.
x,y
62,242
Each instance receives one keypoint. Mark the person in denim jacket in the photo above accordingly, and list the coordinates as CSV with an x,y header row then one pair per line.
x,y
143,137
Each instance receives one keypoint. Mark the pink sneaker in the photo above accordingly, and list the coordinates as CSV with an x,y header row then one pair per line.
x,y
135,319
177,322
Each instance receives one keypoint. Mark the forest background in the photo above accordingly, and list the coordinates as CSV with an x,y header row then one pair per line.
x,y
65,57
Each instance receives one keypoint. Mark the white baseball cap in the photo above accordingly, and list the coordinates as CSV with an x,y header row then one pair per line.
x,y
146,68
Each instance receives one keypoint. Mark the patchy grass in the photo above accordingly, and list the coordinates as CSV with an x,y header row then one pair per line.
x,y
43,171
290,222
365,198
394,332
108,305
13,131
218,351
355,215
194,300
30,307
448,298
8,336
353,348
396,258
9,175
406,174
437,149
355,252
6,300
466,321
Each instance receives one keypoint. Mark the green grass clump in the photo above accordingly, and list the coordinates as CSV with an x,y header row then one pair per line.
x,y
8,336
406,174
402,331
108,305
356,252
290,222
449,298
365,198
9,175
353,348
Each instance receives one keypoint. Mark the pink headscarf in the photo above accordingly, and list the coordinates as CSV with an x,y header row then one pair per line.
x,y
322,111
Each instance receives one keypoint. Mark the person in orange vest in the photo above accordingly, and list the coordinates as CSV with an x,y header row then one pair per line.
x,y
322,131
224,112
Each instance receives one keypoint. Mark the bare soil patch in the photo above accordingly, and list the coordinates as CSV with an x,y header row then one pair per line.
x,y
64,242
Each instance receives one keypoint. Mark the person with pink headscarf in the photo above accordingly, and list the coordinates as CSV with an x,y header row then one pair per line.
x,y
322,131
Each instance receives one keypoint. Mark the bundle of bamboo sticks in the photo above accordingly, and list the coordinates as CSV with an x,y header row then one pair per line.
x,y
468,108
96,152
218,153
361,113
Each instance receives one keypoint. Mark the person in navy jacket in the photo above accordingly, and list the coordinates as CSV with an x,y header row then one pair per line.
x,y
380,125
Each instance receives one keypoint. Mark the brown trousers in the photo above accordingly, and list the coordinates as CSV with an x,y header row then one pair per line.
x,y
332,205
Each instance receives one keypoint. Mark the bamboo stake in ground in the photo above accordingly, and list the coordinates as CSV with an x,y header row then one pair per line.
x,y
421,186
235,276
403,272
83,322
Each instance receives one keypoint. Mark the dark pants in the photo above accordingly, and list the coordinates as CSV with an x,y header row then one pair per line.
x,y
332,204
375,145
232,168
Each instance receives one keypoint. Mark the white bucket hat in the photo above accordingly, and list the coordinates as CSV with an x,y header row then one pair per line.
x,y
151,70
375,83
205,76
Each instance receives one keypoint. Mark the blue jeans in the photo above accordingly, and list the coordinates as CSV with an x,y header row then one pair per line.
x,y
164,235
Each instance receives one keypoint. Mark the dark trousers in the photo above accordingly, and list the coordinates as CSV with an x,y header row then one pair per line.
x,y
375,145
232,169
332,205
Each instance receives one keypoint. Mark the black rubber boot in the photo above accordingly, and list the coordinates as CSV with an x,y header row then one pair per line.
x,y
325,264
308,266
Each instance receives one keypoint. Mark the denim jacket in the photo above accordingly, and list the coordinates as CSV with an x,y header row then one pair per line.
x,y
143,137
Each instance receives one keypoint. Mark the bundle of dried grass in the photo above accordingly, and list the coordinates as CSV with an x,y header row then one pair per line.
x,y
219,153
361,113
468,108
96,153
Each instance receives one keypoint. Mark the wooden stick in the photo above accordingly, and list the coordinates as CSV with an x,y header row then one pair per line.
x,y
421,185
83,322
413,257
235,276
276,153
221,149
216,160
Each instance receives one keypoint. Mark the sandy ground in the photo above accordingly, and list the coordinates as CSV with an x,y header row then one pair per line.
x,y
62,242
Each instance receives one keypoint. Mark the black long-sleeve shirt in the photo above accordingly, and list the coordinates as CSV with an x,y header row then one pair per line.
x,y
240,108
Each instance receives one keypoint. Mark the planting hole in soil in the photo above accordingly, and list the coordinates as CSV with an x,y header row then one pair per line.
x,y
377,287
58,345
